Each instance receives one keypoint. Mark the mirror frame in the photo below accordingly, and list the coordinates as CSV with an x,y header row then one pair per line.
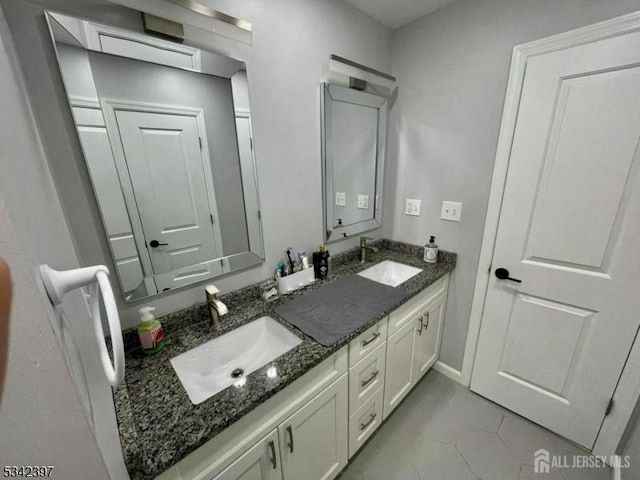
x,y
330,93
218,65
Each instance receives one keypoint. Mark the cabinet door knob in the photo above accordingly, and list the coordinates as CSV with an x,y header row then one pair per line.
x,y
372,339
368,422
370,379
274,462
290,432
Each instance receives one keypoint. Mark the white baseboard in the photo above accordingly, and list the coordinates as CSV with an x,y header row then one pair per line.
x,y
450,372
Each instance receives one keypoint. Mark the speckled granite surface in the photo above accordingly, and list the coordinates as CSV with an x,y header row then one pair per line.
x,y
158,423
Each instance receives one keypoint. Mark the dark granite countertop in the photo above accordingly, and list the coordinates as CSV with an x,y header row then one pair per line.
x,y
158,423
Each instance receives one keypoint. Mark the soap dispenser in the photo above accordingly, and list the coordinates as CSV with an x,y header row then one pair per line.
x,y
431,250
150,331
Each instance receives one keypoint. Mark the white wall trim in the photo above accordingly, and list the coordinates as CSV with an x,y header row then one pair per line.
x,y
628,390
448,371
94,32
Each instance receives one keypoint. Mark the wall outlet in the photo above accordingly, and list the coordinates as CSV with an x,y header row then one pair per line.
x,y
341,199
451,211
363,201
412,207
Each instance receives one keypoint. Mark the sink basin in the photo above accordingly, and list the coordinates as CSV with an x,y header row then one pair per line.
x,y
227,360
390,273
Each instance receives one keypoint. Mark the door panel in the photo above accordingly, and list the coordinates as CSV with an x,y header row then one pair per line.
x,y
577,232
314,439
399,378
166,168
261,462
428,338
552,347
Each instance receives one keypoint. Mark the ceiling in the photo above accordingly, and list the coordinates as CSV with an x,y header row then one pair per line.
x,y
397,13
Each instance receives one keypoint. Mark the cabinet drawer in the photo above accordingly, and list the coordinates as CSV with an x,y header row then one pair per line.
x,y
367,377
365,421
367,342
404,314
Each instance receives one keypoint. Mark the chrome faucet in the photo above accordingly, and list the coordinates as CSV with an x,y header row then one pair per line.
x,y
216,308
364,247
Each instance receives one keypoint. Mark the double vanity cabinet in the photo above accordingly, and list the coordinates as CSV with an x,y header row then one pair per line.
x,y
310,429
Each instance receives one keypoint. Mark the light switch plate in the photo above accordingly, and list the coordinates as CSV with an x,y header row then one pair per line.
x,y
412,207
341,199
451,211
363,201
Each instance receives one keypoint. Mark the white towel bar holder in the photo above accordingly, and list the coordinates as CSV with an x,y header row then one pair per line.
x,y
58,283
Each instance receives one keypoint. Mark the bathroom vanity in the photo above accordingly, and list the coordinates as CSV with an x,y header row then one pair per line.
x,y
302,415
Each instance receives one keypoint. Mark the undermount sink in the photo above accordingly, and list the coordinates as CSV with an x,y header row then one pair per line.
x,y
228,359
390,273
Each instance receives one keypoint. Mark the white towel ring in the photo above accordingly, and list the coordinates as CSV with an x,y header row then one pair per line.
x,y
58,283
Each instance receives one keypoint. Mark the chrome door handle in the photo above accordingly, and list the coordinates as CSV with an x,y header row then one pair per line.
x,y
371,340
368,422
290,445
371,378
274,462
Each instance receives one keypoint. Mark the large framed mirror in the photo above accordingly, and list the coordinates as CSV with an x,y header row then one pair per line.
x,y
353,148
165,129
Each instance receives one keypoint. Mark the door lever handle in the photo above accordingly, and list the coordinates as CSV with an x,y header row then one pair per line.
x,y
503,274
156,243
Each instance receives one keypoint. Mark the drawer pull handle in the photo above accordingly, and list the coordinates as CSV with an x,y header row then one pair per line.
x,y
427,325
421,324
368,422
370,379
371,340
290,432
274,462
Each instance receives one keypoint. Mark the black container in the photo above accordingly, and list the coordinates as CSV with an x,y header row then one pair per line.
x,y
321,264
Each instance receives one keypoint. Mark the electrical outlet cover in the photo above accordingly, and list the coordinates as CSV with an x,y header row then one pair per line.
x,y
451,211
363,201
413,207
341,199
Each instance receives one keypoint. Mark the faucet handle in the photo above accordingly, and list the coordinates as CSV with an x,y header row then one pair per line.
x,y
363,240
211,291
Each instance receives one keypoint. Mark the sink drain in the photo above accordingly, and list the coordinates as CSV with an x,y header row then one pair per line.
x,y
237,373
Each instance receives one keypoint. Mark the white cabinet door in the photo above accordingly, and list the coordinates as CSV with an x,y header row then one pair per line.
x,y
429,333
261,462
399,377
314,439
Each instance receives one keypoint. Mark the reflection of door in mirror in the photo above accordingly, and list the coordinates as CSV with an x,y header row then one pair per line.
x,y
166,164
166,133
355,132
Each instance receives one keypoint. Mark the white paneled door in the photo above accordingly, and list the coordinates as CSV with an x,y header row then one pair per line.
x,y
168,173
552,347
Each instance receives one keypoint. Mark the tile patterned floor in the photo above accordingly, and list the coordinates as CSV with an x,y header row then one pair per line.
x,y
443,431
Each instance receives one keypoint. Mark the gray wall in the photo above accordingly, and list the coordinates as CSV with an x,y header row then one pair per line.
x,y
631,447
292,42
41,418
452,68
121,78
